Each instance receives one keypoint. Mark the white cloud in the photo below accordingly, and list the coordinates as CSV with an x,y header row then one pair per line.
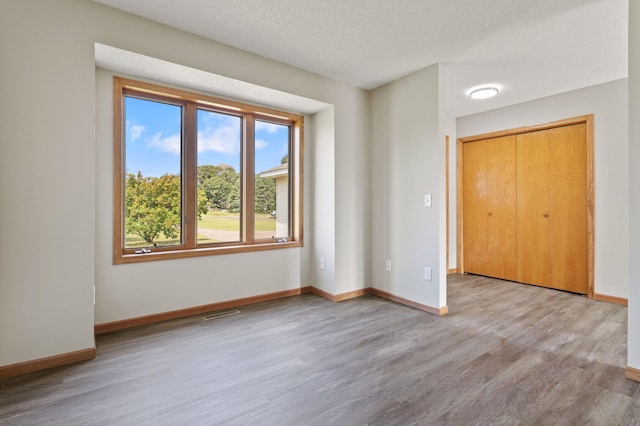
x,y
170,144
268,127
261,144
136,132
224,139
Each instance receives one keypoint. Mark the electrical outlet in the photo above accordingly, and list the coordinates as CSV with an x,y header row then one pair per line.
x,y
388,266
427,274
322,263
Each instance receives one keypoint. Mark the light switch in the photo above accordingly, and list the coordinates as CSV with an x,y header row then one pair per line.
x,y
427,200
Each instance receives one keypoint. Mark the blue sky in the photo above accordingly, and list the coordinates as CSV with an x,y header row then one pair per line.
x,y
153,139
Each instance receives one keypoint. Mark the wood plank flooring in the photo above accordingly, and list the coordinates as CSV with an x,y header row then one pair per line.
x,y
506,354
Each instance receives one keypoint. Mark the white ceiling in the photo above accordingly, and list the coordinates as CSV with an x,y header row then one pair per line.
x,y
529,48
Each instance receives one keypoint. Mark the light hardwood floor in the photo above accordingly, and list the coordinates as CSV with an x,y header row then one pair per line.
x,y
506,354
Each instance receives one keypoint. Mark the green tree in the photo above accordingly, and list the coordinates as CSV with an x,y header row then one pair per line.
x,y
153,206
265,195
233,199
217,183
206,171
216,191
285,159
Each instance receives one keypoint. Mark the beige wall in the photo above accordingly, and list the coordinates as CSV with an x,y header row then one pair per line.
x,y
47,176
369,160
321,238
453,192
55,154
127,291
408,162
633,357
352,186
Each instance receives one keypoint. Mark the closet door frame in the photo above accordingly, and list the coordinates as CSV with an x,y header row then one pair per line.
x,y
588,121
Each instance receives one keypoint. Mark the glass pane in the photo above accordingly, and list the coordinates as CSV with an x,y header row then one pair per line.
x,y
218,177
153,196
272,180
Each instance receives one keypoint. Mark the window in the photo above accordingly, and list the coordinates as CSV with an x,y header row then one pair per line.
x,y
196,175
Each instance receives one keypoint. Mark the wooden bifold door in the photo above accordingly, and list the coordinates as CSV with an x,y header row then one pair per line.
x,y
490,207
527,205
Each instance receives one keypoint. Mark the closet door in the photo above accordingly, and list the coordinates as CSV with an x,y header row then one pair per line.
x,y
475,194
553,208
533,254
501,208
489,214
568,199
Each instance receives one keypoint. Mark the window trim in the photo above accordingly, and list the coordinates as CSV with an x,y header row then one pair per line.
x,y
190,100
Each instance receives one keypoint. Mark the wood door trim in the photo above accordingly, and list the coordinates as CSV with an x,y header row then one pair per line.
x,y
446,147
588,121
459,207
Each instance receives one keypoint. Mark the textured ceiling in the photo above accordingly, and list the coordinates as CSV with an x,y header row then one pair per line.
x,y
530,48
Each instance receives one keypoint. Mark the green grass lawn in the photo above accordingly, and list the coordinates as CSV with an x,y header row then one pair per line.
x,y
219,221
215,221
133,241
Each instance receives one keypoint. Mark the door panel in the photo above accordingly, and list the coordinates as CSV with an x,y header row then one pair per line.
x,y
501,208
475,207
568,205
533,253
489,212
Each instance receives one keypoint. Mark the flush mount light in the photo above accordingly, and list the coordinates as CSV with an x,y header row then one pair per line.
x,y
483,93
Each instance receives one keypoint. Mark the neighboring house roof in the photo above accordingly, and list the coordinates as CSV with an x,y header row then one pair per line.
x,y
276,172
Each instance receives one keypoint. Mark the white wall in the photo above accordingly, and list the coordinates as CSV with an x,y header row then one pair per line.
x,y
451,131
408,162
608,103
126,291
633,345
55,166
322,238
352,161
46,183
220,278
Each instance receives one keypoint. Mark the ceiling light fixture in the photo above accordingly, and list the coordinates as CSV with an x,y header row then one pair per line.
x,y
483,93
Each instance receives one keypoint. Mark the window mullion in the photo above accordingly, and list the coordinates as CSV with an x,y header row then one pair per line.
x,y
190,184
248,179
